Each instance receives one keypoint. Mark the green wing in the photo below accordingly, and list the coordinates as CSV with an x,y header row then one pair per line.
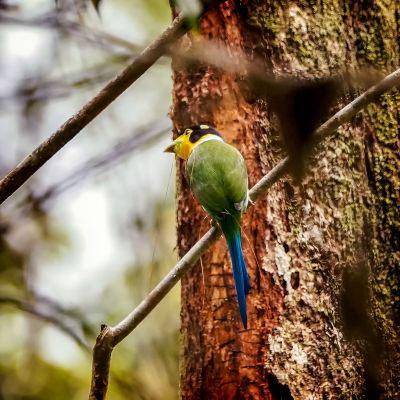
x,y
218,178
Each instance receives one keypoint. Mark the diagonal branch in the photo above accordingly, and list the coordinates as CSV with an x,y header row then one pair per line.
x,y
23,171
111,336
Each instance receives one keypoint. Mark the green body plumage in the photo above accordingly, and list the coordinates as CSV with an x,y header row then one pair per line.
x,y
218,177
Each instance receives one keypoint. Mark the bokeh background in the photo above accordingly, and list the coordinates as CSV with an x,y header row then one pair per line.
x,y
87,237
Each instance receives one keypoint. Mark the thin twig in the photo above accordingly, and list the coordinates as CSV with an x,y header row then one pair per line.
x,y
23,171
143,136
32,90
107,41
111,336
55,20
32,309
128,324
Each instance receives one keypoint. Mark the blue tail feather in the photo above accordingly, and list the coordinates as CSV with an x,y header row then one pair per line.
x,y
240,274
245,278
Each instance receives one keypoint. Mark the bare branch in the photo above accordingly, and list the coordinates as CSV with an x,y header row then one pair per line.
x,y
23,171
127,325
114,335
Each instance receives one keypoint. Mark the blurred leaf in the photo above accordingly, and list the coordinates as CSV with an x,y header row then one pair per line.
x,y
96,5
301,107
190,8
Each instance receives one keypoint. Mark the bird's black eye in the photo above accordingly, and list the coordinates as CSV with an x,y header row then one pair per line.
x,y
196,135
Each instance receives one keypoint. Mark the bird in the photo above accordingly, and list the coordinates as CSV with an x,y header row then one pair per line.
x,y
218,177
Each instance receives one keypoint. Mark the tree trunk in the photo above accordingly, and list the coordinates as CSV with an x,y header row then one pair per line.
x,y
324,301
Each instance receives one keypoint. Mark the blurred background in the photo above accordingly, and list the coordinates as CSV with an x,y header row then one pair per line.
x,y
87,237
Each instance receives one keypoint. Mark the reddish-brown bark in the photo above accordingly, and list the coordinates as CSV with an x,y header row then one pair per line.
x,y
211,327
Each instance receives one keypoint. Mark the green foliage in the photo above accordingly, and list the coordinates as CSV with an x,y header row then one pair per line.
x,y
29,377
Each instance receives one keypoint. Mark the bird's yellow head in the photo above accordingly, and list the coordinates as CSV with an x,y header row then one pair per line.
x,y
191,137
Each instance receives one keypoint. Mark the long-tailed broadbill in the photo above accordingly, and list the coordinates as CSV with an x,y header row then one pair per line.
x,y
218,177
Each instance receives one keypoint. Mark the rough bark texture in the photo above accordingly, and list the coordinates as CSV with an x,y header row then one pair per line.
x,y
324,300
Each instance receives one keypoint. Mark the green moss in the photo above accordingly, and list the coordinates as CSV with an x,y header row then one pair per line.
x,y
352,219
271,23
267,18
375,28
385,119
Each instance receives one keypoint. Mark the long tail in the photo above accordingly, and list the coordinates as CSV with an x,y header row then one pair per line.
x,y
239,268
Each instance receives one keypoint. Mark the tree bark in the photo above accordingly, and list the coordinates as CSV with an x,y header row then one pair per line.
x,y
323,256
